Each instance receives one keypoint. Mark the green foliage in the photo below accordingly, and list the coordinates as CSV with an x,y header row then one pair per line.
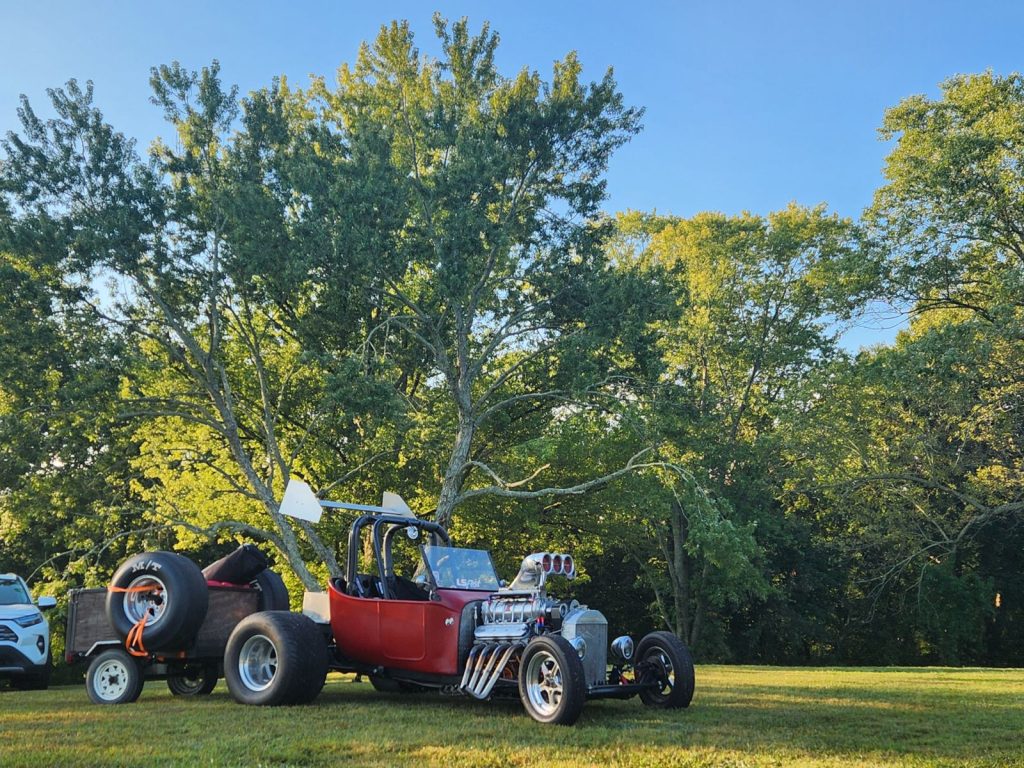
x,y
402,279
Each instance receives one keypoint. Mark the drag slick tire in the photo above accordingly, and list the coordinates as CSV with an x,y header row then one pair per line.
x,y
663,658
551,681
113,677
165,587
273,593
275,658
193,680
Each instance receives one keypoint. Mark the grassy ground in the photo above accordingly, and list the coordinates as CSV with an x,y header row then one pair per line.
x,y
741,716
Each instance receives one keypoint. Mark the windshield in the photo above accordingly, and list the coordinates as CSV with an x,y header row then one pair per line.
x,y
12,593
455,568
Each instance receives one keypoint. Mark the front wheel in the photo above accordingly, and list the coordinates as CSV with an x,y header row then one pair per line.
x,y
275,658
551,681
193,681
663,659
113,677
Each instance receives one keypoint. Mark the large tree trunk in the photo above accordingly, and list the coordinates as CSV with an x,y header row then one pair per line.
x,y
455,473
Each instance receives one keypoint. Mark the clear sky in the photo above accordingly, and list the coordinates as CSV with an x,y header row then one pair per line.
x,y
750,105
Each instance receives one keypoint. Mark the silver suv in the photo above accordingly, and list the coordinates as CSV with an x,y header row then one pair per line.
x,y
24,635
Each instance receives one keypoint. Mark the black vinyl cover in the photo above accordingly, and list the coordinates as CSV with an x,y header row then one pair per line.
x,y
239,567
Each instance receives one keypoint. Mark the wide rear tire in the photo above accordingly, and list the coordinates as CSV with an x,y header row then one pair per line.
x,y
165,587
273,593
663,658
551,681
275,658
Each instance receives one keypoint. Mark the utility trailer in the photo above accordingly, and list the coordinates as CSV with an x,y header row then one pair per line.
x,y
161,618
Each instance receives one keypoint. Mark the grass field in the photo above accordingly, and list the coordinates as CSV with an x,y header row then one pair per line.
x,y
741,716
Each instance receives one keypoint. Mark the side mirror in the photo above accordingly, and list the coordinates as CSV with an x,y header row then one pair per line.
x,y
46,603
502,583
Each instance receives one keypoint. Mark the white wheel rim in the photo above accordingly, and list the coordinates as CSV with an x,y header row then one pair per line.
x,y
111,680
146,596
544,683
257,663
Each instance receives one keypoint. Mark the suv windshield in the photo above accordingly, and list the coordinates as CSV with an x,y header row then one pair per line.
x,y
456,568
12,593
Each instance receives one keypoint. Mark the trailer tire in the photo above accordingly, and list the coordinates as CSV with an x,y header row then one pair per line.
x,y
273,594
176,602
668,661
113,677
275,658
193,681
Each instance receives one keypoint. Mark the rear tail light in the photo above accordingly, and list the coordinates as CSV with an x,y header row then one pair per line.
x,y
547,563
568,565
558,564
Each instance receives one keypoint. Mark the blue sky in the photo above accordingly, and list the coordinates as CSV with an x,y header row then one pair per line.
x,y
749,105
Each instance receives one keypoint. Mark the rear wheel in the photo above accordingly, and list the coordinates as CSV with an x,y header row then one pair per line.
x,y
274,658
193,681
551,681
113,677
662,658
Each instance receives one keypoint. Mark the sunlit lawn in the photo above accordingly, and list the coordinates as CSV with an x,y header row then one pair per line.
x,y
741,716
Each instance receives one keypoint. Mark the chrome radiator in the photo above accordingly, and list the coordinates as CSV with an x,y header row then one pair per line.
x,y
591,628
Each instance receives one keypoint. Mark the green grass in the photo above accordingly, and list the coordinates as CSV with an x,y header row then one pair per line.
x,y
741,716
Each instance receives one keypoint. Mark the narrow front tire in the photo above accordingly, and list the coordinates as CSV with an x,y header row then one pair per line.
x,y
663,659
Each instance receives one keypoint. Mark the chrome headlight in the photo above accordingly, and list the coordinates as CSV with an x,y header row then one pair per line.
x,y
30,620
622,649
580,645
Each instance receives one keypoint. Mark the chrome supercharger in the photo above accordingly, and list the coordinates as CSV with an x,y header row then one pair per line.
x,y
523,609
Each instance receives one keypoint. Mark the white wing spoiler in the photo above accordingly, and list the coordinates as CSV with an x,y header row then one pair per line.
x,y
300,502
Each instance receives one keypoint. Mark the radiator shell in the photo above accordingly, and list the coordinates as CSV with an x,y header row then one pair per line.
x,y
593,628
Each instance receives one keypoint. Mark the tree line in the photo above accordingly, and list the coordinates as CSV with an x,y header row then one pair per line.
x,y
402,279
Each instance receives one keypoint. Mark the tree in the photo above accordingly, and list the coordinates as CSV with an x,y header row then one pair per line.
x,y
497,185
759,302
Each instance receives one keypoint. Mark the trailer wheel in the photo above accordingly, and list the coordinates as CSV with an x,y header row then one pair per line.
x,y
275,658
663,658
165,588
273,593
193,681
551,681
113,677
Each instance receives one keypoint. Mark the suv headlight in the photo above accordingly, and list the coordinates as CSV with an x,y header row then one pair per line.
x,y
29,621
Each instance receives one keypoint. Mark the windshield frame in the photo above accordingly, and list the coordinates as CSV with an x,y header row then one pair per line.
x,y
429,570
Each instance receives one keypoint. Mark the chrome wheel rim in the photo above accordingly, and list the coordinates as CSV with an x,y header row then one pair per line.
x,y
257,663
145,596
544,683
111,680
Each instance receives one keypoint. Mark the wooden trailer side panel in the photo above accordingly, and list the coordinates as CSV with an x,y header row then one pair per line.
x,y
88,624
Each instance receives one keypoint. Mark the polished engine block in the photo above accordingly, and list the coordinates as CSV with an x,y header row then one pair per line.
x,y
523,609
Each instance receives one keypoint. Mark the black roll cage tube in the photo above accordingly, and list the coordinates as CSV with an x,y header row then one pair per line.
x,y
384,527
